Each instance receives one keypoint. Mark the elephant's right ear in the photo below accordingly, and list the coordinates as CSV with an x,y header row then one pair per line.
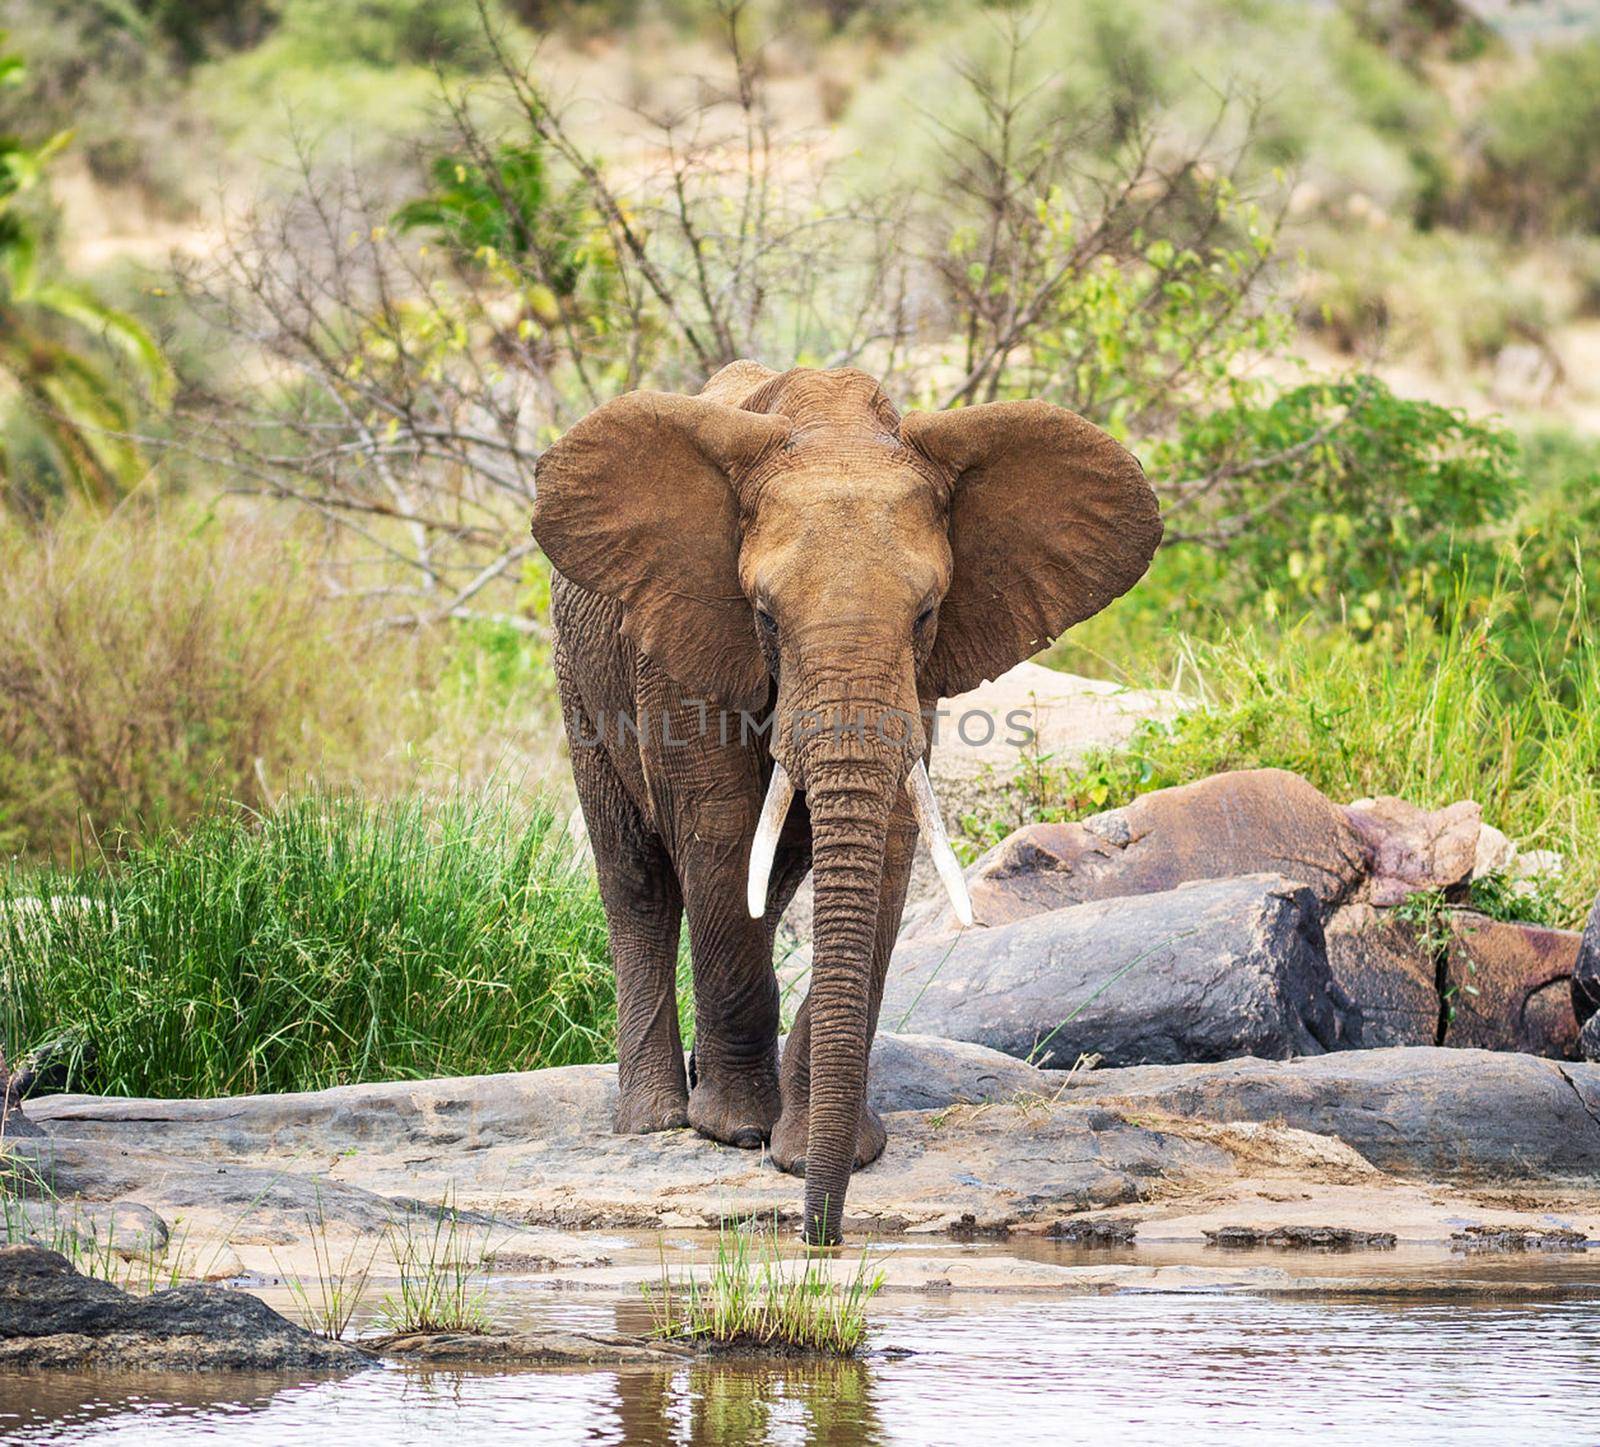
x,y
638,502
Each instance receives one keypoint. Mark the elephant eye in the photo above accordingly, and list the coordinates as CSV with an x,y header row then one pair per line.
x,y
924,618
769,624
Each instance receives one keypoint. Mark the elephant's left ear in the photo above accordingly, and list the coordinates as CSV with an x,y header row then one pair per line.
x,y
1050,520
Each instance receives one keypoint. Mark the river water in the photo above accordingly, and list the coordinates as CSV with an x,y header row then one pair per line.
x,y
1130,1367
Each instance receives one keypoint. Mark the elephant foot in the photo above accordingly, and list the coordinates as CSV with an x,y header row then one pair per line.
x,y
640,1112
789,1140
738,1112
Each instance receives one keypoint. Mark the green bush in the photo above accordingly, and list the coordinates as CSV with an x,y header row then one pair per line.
x,y
1450,299
384,33
1350,497
1373,128
326,942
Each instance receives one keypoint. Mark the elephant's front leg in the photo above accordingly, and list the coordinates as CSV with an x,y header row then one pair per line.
x,y
789,1136
734,1098
643,913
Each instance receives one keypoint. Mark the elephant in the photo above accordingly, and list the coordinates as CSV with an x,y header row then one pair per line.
x,y
759,595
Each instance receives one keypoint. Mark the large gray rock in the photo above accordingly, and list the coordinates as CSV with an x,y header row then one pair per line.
x,y
51,1318
1255,821
1208,971
1473,1116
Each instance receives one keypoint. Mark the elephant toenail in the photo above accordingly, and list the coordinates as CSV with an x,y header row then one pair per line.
x,y
748,1139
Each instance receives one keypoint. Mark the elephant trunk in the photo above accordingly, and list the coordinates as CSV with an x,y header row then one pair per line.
x,y
850,810
858,754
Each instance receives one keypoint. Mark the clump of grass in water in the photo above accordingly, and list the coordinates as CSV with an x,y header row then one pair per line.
x,y
329,941
439,1261
340,1282
756,1299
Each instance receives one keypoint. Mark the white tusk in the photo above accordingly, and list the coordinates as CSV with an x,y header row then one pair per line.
x,y
765,845
926,808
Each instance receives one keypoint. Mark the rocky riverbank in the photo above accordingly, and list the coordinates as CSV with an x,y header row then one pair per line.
x,y
1211,1015
1426,1138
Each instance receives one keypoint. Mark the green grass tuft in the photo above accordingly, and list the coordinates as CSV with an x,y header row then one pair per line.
x,y
440,1262
756,1299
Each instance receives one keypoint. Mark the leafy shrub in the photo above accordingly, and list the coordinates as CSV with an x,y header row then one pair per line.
x,y
1452,299
327,941
67,410
194,28
383,33
1350,497
1370,125
536,237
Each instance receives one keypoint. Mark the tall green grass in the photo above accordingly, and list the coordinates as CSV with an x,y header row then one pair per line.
x,y
330,941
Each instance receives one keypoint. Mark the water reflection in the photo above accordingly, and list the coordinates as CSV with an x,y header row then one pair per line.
x,y
54,1404
830,1404
1130,1367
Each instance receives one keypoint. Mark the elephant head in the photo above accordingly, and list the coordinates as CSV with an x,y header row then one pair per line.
x,y
865,565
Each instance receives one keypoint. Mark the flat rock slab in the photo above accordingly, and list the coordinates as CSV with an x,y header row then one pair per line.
x,y
70,1167
1000,1163
954,1276
1465,1116
1180,1148
51,1318
536,1148
1207,971
472,1113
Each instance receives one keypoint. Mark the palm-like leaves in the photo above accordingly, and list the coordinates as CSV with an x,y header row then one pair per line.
x,y
59,346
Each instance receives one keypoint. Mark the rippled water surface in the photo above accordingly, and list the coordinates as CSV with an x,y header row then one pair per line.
x,y
1143,1368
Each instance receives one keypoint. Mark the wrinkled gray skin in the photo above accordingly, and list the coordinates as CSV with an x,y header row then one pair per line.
x,y
788,544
